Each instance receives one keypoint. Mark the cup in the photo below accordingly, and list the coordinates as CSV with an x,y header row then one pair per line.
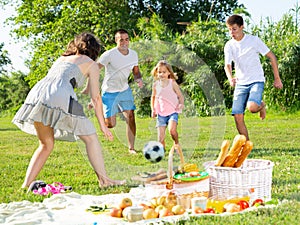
x,y
199,202
184,200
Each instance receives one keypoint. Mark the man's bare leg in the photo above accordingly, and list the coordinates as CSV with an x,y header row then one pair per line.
x,y
240,125
130,129
254,108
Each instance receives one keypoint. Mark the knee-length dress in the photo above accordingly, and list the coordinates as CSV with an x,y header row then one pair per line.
x,y
53,102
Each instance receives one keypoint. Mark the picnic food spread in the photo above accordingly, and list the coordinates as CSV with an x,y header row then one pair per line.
x,y
175,200
189,191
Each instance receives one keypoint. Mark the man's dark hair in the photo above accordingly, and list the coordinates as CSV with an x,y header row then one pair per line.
x,y
121,31
235,19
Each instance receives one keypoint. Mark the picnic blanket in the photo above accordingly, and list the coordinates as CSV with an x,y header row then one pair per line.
x,y
67,209
70,209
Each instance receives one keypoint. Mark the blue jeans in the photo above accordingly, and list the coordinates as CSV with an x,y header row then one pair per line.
x,y
246,93
163,121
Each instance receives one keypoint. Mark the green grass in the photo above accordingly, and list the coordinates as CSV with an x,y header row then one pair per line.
x,y
277,139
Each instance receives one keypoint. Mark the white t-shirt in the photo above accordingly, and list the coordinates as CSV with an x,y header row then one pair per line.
x,y
117,69
245,55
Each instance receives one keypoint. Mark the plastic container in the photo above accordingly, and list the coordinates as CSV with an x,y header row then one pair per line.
x,y
199,202
134,213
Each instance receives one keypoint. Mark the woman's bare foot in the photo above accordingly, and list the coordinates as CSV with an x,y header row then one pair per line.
x,y
262,112
109,182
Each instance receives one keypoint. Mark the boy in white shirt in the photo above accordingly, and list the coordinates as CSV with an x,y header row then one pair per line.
x,y
243,50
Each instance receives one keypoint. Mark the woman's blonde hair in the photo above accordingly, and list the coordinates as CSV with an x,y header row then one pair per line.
x,y
169,68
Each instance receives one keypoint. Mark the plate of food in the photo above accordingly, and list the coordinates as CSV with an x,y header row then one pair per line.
x,y
191,176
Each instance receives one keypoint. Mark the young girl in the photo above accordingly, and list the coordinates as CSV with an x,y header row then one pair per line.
x,y
166,101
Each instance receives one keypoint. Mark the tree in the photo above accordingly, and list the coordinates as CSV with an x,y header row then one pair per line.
x,y
50,24
177,13
13,91
4,59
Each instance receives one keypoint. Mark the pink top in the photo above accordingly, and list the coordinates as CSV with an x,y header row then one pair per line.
x,y
166,100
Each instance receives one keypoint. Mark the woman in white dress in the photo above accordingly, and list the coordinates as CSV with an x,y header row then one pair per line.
x,y
51,110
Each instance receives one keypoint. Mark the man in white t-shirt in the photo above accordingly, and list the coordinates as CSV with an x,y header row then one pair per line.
x,y
116,93
243,50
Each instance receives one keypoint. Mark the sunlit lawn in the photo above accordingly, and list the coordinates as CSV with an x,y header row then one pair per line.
x,y
277,139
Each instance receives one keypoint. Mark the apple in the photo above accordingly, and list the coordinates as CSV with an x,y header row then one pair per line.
x,y
178,210
125,212
149,214
165,212
116,212
159,207
125,202
197,210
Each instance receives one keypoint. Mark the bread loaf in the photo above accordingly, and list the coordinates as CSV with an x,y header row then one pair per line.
x,y
222,155
234,151
248,146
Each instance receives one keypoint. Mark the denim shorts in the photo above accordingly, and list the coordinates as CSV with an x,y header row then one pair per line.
x,y
116,102
163,121
246,93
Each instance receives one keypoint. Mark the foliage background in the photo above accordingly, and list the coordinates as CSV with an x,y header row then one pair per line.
x,y
193,29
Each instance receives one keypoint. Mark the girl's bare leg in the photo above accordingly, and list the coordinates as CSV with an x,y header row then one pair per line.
x,y
94,152
162,135
46,144
173,131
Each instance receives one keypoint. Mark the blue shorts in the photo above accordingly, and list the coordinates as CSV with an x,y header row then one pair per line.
x,y
116,102
163,121
246,93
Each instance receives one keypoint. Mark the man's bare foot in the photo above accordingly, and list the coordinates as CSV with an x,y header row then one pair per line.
x,y
262,112
132,151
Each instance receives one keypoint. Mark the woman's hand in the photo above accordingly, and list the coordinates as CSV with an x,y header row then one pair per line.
x,y
107,133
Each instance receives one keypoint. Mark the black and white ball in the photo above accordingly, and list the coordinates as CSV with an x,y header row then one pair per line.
x,y
154,151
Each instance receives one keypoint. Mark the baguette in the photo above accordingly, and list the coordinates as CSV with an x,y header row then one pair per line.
x,y
234,151
244,153
222,155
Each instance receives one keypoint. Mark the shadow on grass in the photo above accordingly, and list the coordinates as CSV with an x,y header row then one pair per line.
x,y
9,129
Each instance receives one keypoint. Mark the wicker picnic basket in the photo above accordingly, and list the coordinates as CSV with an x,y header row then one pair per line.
x,y
190,189
254,174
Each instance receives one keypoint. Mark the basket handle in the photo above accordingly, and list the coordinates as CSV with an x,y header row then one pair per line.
x,y
170,163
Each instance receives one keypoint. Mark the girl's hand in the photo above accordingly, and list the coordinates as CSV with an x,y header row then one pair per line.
x,y
179,107
153,114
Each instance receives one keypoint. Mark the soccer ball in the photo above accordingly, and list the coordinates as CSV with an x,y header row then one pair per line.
x,y
154,151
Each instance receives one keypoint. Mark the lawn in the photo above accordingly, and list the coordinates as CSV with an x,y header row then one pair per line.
x,y
277,138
